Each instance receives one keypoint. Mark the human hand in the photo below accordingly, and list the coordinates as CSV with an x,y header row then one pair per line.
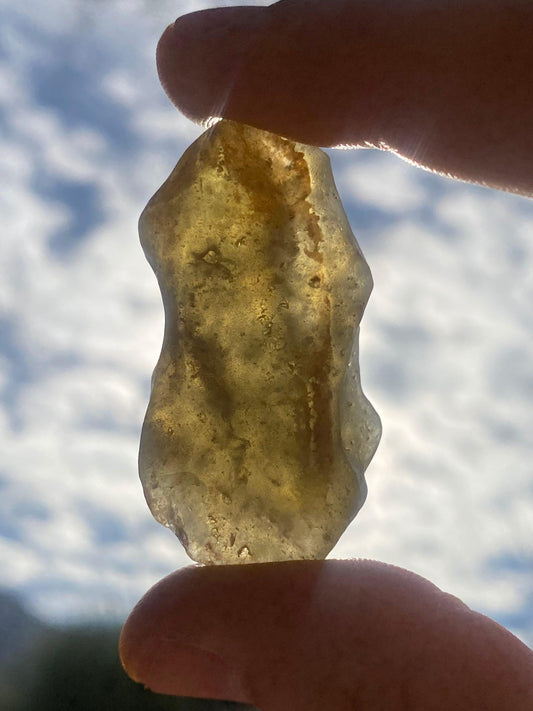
x,y
446,85
314,635
430,84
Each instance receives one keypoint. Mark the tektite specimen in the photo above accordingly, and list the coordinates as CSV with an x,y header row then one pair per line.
x,y
257,433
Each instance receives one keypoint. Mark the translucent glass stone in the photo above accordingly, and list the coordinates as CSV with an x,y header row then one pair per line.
x,y
257,433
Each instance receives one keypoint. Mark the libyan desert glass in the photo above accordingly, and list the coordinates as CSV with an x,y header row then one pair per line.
x,y
257,433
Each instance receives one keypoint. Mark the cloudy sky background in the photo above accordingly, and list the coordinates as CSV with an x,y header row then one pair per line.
x,y
86,137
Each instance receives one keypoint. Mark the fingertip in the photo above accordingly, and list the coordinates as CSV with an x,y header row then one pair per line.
x,y
272,67
200,57
158,649
146,622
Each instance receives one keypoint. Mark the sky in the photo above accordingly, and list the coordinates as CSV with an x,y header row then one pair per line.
x,y
87,136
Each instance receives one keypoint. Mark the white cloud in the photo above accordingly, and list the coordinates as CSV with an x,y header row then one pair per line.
x,y
386,185
448,360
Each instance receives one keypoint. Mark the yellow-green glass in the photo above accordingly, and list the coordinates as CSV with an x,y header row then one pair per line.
x,y
257,433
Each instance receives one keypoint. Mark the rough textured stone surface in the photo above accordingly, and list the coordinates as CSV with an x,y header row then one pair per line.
x,y
257,433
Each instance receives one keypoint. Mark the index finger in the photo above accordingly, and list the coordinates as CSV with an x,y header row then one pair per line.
x,y
445,85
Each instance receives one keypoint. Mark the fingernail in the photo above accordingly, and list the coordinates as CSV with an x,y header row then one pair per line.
x,y
180,669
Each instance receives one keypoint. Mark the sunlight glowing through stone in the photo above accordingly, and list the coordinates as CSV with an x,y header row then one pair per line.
x,y
257,433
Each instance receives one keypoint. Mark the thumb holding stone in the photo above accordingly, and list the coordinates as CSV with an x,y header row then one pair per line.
x,y
310,635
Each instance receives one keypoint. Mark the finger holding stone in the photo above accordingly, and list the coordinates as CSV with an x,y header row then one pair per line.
x,y
310,635
445,85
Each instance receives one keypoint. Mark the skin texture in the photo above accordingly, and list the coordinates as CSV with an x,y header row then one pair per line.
x,y
310,635
448,86
444,84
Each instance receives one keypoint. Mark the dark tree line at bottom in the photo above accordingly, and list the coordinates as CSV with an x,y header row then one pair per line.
x,y
78,669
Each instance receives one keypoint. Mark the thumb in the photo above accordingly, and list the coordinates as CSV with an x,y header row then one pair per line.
x,y
309,635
